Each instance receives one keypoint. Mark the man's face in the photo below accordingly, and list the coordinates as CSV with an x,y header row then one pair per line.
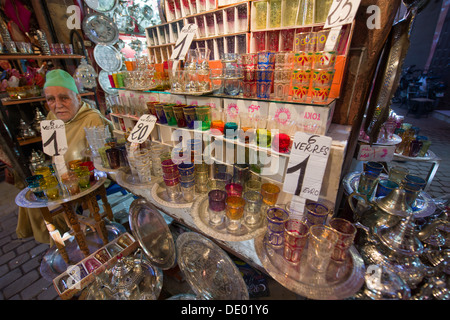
x,y
63,102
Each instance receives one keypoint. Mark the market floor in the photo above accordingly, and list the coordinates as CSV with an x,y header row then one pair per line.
x,y
20,278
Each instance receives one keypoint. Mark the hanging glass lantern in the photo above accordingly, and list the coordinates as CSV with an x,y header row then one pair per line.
x,y
86,75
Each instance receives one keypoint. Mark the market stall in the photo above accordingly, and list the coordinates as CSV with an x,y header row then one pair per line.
x,y
224,124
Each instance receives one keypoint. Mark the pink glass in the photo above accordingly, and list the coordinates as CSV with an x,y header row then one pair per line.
x,y
201,26
260,41
178,7
193,6
273,39
210,25
187,9
346,232
230,20
234,189
287,40
171,7
242,18
295,238
219,21
202,5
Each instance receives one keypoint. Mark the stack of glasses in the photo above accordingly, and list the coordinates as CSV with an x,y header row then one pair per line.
x,y
249,63
143,164
187,181
171,178
156,150
313,67
264,74
195,77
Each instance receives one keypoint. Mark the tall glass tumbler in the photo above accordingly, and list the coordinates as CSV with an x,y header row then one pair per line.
x,y
281,84
190,116
217,206
346,232
296,234
264,81
252,209
276,217
203,114
234,212
321,242
316,213
249,83
232,81
261,13
217,81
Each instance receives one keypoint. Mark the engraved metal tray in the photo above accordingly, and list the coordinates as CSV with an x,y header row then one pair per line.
x,y
127,180
27,199
159,194
199,213
337,283
210,272
423,207
152,233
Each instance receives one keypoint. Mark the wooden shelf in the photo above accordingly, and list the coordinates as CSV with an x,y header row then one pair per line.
x,y
24,142
37,99
39,57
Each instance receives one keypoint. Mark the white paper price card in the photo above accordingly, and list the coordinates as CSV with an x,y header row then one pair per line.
x,y
142,129
54,141
183,42
307,163
341,12
376,153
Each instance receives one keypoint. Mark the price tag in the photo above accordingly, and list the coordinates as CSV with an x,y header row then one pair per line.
x,y
376,153
341,12
183,42
142,129
333,38
307,163
54,141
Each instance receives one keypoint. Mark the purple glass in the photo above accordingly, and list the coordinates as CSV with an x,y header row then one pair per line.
x,y
201,26
234,189
217,200
219,21
210,24
230,44
230,19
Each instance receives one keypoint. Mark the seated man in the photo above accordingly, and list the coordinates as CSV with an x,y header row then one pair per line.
x,y
65,104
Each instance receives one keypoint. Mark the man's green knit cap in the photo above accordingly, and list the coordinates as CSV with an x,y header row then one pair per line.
x,y
60,78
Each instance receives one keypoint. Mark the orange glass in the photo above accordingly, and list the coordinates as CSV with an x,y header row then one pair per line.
x,y
270,192
235,207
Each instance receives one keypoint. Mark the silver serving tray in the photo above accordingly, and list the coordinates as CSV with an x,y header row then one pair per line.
x,y
423,207
127,180
100,29
337,283
199,213
102,6
108,58
159,194
209,271
103,80
152,233
27,199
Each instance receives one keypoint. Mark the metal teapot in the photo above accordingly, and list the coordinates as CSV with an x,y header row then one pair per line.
x,y
37,159
38,117
397,248
131,278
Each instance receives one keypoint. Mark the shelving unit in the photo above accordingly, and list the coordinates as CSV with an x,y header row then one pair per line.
x,y
229,149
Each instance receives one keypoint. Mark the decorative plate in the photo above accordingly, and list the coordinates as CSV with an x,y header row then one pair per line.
x,y
210,272
103,80
100,29
101,5
153,234
108,58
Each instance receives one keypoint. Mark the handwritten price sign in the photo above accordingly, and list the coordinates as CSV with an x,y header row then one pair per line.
x,y
375,153
142,129
54,141
341,12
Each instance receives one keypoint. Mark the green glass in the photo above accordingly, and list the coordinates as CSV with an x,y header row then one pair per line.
x,y
290,12
263,138
300,12
170,115
204,115
321,10
261,13
275,14
307,12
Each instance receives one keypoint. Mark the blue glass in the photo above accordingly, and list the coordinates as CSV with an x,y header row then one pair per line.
x,y
385,187
374,167
230,130
160,114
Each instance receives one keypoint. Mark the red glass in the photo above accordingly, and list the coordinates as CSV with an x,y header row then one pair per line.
x,y
218,124
234,190
281,143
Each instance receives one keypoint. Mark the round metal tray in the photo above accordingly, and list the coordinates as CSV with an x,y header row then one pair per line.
x,y
423,207
52,264
396,139
27,199
125,179
337,283
209,271
152,233
199,213
159,194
